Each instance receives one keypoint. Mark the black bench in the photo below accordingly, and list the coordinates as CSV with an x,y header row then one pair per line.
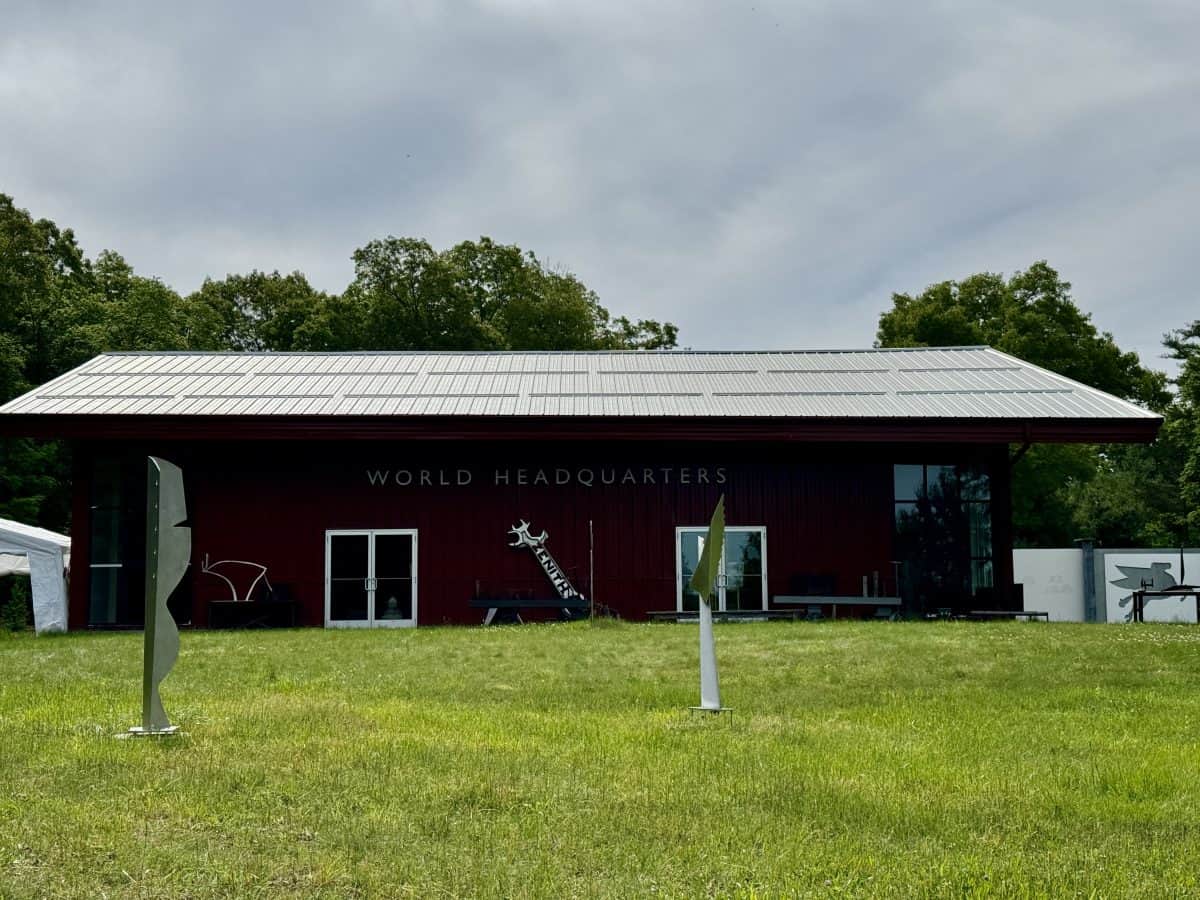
x,y
885,607
982,615
730,615
275,610
508,609
1180,591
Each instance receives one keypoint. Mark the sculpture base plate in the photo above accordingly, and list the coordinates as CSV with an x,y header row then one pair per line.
x,y
139,731
711,711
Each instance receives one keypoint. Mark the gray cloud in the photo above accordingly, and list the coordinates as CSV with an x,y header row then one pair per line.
x,y
764,174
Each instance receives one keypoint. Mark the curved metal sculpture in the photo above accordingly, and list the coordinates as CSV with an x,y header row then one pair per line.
x,y
168,547
211,569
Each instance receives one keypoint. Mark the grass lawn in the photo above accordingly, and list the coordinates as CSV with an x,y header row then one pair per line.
x,y
869,759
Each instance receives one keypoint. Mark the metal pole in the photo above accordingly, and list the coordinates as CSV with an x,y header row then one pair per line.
x,y
591,572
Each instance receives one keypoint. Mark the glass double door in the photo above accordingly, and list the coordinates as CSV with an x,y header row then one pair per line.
x,y
741,581
371,578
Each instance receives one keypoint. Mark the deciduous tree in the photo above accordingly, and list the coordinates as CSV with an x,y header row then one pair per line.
x,y
1065,491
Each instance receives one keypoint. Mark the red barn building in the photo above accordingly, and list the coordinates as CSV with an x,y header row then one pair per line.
x,y
380,488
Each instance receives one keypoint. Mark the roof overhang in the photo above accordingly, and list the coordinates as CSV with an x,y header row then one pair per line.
x,y
639,428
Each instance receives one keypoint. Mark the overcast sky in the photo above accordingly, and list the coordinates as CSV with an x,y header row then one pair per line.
x,y
763,174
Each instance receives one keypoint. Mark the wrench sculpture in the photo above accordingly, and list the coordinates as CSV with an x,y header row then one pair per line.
x,y
537,544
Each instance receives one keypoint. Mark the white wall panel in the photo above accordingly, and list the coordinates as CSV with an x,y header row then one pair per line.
x,y
1053,582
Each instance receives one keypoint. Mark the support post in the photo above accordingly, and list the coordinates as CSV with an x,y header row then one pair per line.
x,y
1087,547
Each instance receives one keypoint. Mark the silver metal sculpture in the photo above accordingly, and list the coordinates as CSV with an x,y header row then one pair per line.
x,y
704,580
168,547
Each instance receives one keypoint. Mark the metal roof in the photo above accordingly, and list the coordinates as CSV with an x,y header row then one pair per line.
x,y
920,383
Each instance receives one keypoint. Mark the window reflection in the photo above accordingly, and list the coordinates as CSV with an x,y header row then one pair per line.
x,y
741,576
943,534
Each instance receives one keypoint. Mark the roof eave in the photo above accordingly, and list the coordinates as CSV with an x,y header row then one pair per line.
x,y
374,428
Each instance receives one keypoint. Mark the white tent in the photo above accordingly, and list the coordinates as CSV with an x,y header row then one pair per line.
x,y
45,555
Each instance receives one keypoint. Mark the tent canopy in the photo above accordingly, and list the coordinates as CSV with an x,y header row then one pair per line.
x,y
19,538
46,554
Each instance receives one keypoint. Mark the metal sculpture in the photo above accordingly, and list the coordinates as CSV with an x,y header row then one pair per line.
x,y
168,547
537,544
703,581
1156,577
211,569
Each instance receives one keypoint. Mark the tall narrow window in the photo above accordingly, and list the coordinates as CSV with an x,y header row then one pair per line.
x,y
943,534
116,564
117,559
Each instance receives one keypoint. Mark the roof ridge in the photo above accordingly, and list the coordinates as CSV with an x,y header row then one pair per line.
x,y
679,352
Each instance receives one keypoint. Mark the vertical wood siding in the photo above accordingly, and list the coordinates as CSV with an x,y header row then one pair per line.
x,y
828,510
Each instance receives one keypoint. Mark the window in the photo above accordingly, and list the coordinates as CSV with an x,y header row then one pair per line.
x,y
742,581
117,555
943,520
117,565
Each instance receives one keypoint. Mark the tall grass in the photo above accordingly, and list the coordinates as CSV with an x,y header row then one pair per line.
x,y
868,759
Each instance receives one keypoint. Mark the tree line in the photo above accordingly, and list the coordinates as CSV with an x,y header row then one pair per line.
x,y
59,308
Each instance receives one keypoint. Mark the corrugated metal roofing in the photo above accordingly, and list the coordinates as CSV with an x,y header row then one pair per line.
x,y
955,382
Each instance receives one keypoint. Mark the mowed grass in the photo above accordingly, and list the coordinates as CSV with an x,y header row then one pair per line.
x,y
867,759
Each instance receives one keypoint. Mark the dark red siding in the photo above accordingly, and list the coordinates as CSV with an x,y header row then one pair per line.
x,y
828,510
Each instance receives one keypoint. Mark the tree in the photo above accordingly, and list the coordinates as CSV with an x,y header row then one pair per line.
x,y
255,312
1030,315
41,271
1065,491
1183,426
480,295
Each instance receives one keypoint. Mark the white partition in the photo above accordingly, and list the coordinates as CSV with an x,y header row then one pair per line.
x,y
1053,581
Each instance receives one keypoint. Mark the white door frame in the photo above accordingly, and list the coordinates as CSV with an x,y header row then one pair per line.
x,y
371,579
703,529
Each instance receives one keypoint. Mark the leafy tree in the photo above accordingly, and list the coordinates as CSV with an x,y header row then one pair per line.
x,y
1183,426
480,295
41,270
137,313
1030,315
1060,492
255,312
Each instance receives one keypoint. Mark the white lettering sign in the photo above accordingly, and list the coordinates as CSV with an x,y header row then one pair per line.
x,y
552,477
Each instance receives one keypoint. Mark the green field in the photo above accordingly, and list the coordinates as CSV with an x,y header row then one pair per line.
x,y
866,759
